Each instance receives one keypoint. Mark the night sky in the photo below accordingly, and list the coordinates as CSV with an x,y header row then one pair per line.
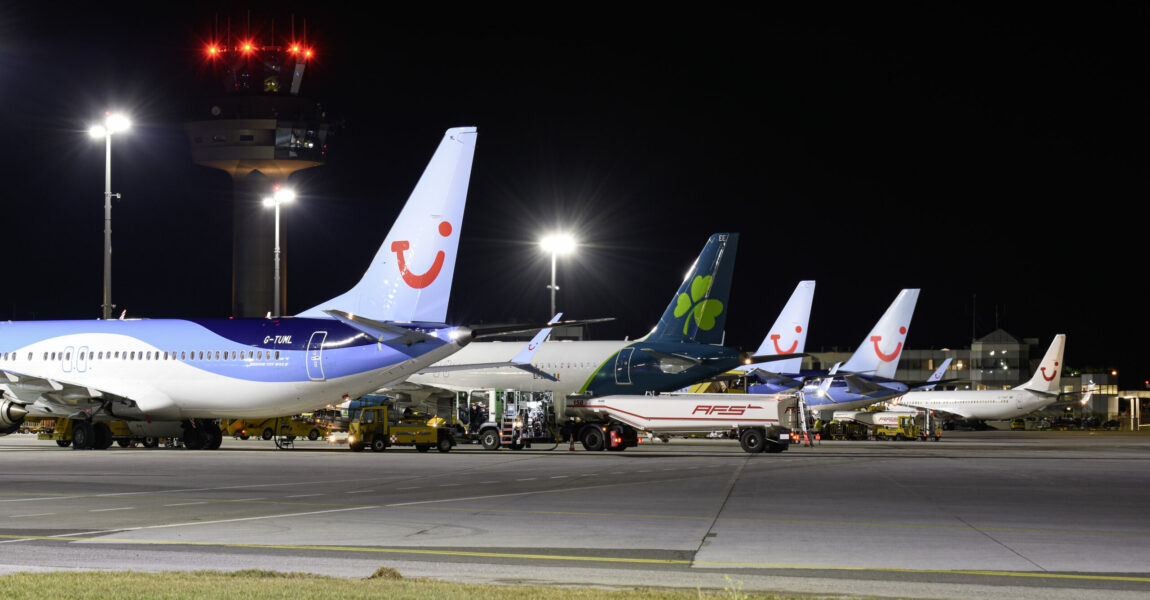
x,y
994,159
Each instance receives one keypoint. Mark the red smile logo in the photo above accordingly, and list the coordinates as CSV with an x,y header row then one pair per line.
x,y
1052,375
532,347
884,356
795,344
427,278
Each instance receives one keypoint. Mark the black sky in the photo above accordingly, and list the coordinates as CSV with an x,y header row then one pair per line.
x,y
995,158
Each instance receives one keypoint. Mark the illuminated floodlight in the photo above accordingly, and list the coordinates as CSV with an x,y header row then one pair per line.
x,y
558,243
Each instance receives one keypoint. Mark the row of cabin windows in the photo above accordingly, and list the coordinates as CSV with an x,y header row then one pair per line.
x,y
157,355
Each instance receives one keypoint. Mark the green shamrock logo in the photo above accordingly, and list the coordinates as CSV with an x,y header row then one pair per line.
x,y
702,311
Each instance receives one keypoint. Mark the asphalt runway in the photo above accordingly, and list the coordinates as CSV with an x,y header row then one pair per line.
x,y
977,515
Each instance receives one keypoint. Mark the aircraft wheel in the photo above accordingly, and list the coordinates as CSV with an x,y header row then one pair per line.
x,y
101,436
593,439
151,442
378,444
82,435
215,439
445,443
313,435
244,436
63,443
752,440
490,439
194,438
422,448
268,434
124,443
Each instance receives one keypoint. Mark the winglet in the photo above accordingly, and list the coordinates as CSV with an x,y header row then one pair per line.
x,y
410,277
528,351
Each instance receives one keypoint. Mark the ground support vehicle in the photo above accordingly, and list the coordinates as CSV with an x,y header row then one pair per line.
x,y
762,421
887,425
373,427
504,419
288,428
100,434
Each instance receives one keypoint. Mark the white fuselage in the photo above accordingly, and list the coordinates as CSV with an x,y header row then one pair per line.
x,y
978,404
571,362
212,377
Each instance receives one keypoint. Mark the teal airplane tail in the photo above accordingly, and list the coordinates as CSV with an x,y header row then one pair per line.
x,y
698,311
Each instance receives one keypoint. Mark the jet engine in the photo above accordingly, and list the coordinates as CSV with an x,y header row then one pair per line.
x,y
11,417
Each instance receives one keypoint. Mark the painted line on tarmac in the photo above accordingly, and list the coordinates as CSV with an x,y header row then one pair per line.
x,y
581,558
414,506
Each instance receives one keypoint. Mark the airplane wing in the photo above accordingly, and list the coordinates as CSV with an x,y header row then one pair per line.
x,y
519,361
44,397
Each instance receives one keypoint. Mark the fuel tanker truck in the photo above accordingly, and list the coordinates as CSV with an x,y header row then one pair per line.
x,y
763,422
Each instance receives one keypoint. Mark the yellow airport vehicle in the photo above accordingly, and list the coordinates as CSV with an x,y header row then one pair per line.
x,y
61,430
905,429
286,427
375,427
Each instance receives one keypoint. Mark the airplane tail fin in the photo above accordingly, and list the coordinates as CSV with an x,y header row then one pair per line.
x,y
878,354
1048,375
410,277
789,333
698,311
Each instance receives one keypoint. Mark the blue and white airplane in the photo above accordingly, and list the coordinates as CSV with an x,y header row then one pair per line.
x,y
866,378
166,377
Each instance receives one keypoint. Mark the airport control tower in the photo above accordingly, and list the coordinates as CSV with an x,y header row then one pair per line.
x,y
256,125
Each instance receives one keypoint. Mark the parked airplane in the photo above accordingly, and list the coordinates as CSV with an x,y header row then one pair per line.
x,y
163,376
682,348
866,378
1037,393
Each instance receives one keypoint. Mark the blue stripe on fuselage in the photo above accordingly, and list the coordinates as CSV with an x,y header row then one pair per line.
x,y
345,350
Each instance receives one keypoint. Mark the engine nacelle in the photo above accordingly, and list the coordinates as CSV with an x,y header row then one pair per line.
x,y
11,417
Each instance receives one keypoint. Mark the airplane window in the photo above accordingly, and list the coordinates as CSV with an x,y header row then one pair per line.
x,y
101,355
183,355
149,355
81,356
217,354
68,356
260,355
45,356
251,353
233,354
277,354
29,356
201,355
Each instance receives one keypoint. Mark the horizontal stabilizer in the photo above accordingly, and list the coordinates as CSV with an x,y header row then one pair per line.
x,y
485,331
672,363
384,333
765,358
860,386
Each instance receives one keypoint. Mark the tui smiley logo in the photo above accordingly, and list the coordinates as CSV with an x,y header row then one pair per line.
x,y
884,356
794,345
428,277
1052,375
